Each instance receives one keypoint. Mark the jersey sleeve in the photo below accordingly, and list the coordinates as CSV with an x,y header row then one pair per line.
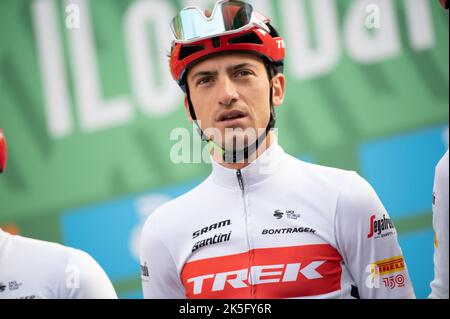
x,y
367,240
159,275
85,278
439,285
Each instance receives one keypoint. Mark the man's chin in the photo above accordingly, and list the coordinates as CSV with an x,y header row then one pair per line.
x,y
237,142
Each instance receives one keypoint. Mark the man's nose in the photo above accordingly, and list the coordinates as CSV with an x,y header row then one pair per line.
x,y
228,92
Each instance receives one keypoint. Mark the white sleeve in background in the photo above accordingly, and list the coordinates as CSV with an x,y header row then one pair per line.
x,y
368,243
85,279
160,278
35,269
439,286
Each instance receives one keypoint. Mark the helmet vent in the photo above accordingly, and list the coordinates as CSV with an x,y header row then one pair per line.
x,y
246,38
187,50
216,42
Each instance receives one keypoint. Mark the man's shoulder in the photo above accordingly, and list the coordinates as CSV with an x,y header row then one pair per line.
x,y
442,166
325,175
180,207
55,253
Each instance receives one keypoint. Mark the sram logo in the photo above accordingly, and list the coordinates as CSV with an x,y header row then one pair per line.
x,y
286,272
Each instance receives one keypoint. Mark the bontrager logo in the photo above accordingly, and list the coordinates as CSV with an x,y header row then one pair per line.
x,y
212,227
288,231
2,287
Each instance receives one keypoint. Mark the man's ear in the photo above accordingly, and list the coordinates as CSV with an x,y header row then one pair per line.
x,y
279,89
186,107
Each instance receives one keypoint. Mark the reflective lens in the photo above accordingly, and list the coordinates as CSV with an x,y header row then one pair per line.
x,y
228,16
236,14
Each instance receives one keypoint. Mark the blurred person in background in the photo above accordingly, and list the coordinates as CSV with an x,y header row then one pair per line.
x,y
439,285
34,269
263,224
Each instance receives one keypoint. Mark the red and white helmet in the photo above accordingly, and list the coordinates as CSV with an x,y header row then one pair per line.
x,y
232,26
3,152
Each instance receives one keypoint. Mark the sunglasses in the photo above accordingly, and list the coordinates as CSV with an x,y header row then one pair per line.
x,y
228,16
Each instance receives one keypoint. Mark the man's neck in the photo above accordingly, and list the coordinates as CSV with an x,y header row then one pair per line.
x,y
217,157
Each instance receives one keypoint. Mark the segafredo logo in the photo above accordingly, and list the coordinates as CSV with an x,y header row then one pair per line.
x,y
382,227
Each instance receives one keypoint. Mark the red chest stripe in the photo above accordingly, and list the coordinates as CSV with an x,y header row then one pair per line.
x,y
285,272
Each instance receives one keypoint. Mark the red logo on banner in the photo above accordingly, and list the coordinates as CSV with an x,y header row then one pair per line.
x,y
285,272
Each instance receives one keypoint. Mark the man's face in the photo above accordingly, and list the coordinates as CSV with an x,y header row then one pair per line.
x,y
232,92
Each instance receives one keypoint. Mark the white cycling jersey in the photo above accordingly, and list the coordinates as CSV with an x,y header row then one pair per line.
x,y
34,269
279,228
439,286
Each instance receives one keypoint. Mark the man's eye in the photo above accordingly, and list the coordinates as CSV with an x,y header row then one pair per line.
x,y
243,73
204,80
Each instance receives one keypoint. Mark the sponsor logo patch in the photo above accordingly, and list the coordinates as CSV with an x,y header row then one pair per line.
x,y
284,272
380,228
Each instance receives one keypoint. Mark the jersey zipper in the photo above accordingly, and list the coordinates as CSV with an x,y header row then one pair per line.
x,y
247,233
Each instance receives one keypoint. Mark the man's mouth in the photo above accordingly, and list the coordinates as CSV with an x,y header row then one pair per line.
x,y
229,116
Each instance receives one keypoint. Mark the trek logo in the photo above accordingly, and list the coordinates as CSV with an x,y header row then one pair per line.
x,y
378,227
2,287
289,214
242,278
212,227
280,44
219,238
284,272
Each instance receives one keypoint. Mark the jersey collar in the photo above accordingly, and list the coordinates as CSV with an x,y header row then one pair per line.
x,y
260,170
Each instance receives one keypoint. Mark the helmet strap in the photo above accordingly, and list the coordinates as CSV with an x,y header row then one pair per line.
x,y
236,156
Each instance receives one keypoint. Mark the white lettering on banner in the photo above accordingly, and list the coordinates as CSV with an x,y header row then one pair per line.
x,y
373,16
419,24
383,43
153,100
308,61
51,61
94,113
73,16
151,85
